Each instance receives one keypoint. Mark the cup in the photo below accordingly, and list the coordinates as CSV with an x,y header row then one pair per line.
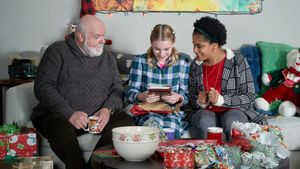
x,y
92,125
169,133
215,133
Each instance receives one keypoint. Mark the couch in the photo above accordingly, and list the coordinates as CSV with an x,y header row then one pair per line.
x,y
20,99
18,107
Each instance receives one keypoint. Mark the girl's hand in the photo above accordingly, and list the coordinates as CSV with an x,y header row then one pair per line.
x,y
148,97
172,98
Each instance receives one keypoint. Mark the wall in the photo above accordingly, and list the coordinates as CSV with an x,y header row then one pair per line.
x,y
29,25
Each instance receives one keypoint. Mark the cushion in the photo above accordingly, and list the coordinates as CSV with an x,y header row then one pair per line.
x,y
273,55
253,56
124,62
289,126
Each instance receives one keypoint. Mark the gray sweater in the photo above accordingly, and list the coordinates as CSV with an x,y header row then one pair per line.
x,y
68,81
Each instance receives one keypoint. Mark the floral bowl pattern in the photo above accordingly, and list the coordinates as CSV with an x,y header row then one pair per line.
x,y
135,143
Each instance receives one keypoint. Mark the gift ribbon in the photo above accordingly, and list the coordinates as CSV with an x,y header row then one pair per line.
x,y
9,129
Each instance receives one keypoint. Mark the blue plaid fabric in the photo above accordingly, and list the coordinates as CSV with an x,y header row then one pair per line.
x,y
253,56
141,75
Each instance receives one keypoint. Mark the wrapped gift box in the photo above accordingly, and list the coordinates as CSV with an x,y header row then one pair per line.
x,y
179,159
18,144
3,145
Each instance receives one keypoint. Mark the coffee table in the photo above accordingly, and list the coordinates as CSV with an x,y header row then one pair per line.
x,y
155,162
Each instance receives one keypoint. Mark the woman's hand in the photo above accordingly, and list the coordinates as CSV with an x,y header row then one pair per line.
x,y
202,98
148,97
213,95
172,98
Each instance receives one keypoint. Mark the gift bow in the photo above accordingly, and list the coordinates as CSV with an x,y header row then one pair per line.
x,y
9,129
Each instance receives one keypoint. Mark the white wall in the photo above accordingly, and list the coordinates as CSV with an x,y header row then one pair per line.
x,y
28,25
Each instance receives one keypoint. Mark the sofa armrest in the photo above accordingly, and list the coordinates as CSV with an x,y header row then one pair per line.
x,y
19,102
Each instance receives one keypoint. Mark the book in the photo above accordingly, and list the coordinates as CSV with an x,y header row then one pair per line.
x,y
159,88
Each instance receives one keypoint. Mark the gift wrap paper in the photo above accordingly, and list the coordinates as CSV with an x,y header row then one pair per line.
x,y
19,145
44,162
180,158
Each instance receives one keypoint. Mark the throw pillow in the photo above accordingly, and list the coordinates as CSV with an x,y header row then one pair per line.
x,y
273,55
124,62
253,56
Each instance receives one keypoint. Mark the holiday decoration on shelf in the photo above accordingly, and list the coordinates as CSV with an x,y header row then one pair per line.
x,y
284,85
87,7
70,29
16,141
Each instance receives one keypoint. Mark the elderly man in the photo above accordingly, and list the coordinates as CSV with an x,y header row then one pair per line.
x,y
76,79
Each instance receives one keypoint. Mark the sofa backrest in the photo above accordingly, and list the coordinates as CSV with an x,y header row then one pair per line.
x,y
253,56
20,100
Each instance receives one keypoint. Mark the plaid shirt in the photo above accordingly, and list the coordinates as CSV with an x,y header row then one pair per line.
x,y
176,76
141,75
237,86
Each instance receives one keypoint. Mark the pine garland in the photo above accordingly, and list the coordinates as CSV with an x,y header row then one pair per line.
x,y
260,157
234,153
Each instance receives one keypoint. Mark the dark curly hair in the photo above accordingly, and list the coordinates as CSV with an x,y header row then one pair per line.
x,y
212,29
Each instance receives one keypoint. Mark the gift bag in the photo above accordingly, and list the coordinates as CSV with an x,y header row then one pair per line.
x,y
44,162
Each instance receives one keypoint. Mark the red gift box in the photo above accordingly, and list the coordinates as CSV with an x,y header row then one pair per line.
x,y
163,145
3,145
19,144
179,159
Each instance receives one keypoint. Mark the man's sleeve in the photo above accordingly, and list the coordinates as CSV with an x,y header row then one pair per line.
x,y
115,99
46,81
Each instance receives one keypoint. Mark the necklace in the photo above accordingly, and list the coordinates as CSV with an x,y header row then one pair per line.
x,y
217,78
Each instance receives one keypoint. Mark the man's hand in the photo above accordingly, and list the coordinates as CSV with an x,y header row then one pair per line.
x,y
172,98
79,119
104,115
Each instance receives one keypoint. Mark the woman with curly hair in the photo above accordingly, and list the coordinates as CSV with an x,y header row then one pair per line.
x,y
161,65
221,85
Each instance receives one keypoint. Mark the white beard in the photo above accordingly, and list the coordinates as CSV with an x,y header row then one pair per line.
x,y
92,51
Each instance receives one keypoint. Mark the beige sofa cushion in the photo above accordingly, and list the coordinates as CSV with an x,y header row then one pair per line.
x,y
290,130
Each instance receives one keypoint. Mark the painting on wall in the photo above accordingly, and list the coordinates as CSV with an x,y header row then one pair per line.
x,y
213,6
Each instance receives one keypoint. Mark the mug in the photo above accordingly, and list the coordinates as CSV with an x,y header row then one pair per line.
x,y
169,133
92,125
215,133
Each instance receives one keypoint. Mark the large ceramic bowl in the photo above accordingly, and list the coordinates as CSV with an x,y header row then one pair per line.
x,y
135,143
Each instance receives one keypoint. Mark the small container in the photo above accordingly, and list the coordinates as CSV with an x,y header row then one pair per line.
x,y
215,133
169,133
